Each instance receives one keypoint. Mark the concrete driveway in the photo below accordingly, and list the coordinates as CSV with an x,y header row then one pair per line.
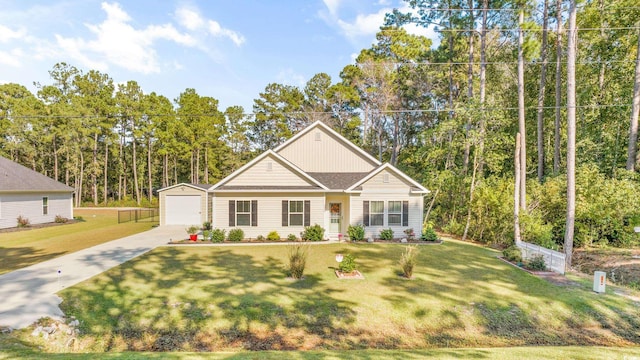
x,y
30,293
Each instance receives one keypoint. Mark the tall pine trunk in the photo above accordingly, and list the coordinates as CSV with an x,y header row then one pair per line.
x,y
149,172
541,92
556,123
635,109
571,134
516,191
521,115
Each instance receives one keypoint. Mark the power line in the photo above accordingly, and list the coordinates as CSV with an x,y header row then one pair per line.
x,y
488,63
525,30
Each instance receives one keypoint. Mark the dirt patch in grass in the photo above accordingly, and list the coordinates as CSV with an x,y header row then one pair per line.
x,y
621,265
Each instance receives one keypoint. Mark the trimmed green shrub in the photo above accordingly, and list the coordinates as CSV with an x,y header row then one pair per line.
x,y
273,236
192,230
408,260
218,235
313,233
356,232
236,235
429,235
206,225
297,260
513,254
348,264
386,234
537,263
206,235
260,238
292,237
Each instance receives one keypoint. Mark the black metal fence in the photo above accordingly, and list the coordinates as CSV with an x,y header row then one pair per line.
x,y
139,215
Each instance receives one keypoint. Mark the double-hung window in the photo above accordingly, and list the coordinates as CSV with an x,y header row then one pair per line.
x,y
243,213
376,214
296,212
394,213
45,205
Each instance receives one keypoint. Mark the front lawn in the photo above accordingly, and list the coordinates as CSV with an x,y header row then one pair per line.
x,y
239,298
27,247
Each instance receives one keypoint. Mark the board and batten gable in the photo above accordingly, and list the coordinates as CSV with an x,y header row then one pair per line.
x,y
318,150
268,171
29,205
269,213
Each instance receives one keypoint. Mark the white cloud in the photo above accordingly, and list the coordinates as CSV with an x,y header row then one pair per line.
x,y
363,25
117,42
192,20
290,77
11,58
332,5
7,34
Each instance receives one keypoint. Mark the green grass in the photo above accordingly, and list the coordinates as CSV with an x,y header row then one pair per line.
x,y
238,298
23,248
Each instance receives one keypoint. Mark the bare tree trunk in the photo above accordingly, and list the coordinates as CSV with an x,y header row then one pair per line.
x,y
516,193
571,134
467,128
556,130
106,167
471,190
635,109
134,165
94,169
483,81
55,159
433,200
206,165
521,115
395,147
149,171
541,93
197,173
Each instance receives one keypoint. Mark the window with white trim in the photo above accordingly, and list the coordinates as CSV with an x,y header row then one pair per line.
x,y
296,213
376,213
394,213
45,205
243,213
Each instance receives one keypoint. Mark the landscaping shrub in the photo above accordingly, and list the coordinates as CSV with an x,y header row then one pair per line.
x,y
410,233
348,264
217,235
61,219
429,235
408,261
260,238
537,263
23,221
386,234
192,229
297,260
292,237
356,232
206,235
206,225
236,235
313,233
273,236
513,254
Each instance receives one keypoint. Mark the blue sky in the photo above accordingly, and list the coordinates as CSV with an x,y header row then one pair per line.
x,y
227,49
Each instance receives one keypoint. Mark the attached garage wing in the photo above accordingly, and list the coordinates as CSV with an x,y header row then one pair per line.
x,y
183,209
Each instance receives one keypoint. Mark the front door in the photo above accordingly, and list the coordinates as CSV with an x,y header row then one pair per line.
x,y
335,211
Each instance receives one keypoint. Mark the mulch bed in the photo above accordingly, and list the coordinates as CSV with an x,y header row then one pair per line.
x,y
398,241
37,226
355,274
246,241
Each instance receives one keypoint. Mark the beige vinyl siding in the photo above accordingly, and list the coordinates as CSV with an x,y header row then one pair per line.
x,y
387,182
416,204
328,154
269,212
29,206
184,190
268,172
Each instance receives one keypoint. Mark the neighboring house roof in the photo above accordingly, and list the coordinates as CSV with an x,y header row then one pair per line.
x,y
338,181
203,187
415,186
17,178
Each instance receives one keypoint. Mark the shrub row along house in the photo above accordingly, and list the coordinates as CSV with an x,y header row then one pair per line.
x,y
316,177
35,198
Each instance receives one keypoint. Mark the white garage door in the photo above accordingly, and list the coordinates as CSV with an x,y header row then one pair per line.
x,y
182,210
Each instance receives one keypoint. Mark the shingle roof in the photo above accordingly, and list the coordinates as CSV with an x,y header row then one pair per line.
x,y
17,178
338,181
263,187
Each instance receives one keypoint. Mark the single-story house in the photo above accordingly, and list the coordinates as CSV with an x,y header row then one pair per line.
x,y
31,195
315,177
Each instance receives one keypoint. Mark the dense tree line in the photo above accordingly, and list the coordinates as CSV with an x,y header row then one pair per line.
x,y
447,115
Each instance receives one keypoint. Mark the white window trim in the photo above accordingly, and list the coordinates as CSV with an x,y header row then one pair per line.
x,y
371,213
45,206
389,213
243,212
301,213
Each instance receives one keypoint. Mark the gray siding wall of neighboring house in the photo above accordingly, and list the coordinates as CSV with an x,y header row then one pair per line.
x,y
319,151
29,206
269,212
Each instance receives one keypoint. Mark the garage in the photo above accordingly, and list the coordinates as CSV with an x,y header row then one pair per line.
x,y
184,204
183,209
